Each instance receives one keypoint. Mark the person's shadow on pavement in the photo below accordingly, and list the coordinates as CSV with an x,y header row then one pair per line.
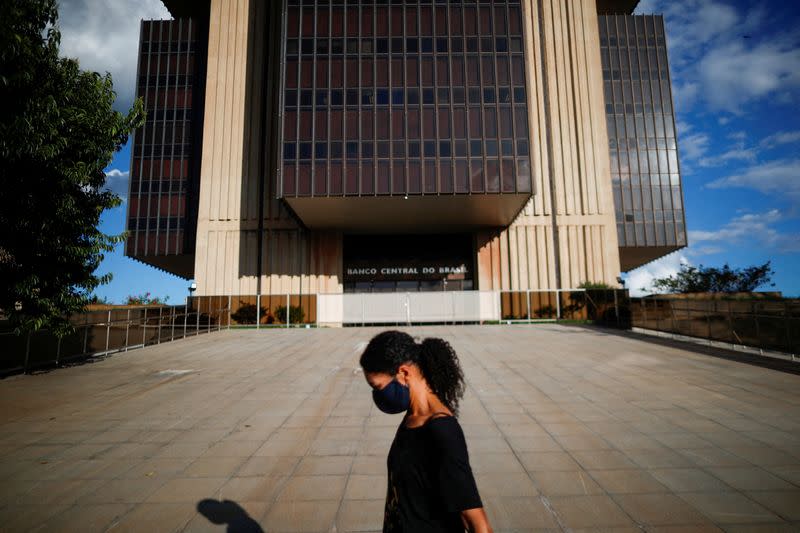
x,y
228,512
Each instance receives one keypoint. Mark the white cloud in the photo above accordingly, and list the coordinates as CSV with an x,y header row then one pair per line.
x,y
721,57
752,229
117,182
734,75
640,280
104,36
694,146
737,153
780,177
780,138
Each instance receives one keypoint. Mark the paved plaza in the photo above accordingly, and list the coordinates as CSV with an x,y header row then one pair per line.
x,y
568,428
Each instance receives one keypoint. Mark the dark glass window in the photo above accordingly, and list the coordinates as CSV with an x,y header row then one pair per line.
x,y
397,81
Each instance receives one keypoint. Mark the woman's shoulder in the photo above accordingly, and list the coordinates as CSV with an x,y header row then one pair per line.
x,y
444,427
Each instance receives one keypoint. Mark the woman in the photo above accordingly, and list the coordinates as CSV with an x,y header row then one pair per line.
x,y
431,487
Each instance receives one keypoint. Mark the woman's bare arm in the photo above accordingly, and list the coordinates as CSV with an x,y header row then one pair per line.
x,y
475,521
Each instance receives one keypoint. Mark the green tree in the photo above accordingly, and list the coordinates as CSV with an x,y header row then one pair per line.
x,y
146,299
709,279
58,132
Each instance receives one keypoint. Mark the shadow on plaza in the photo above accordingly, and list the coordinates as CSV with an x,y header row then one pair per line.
x,y
230,513
764,361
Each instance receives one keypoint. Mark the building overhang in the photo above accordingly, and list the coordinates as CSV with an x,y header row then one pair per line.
x,y
181,265
192,8
187,8
616,7
631,257
414,214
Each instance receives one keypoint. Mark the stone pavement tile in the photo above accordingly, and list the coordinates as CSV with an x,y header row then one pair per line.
x,y
268,466
566,428
344,421
565,483
87,451
15,518
765,456
689,480
369,464
729,507
764,528
312,488
201,435
530,429
155,518
505,485
694,528
366,487
340,433
159,467
183,449
583,442
132,449
518,513
157,436
233,448
589,511
662,458
488,445
114,436
713,457
186,490
213,467
784,503
545,461
603,460
251,489
313,465
750,478
627,481
326,447
659,509
304,422
495,462
55,492
633,441
682,440
275,447
374,447
360,515
95,517
534,444
789,473
125,490
43,451
297,516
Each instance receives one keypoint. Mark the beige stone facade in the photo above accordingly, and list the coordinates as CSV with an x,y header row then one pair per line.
x,y
565,235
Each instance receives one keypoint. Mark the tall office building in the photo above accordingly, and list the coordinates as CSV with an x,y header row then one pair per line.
x,y
312,147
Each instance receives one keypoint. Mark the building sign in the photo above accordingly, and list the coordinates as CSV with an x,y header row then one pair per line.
x,y
369,258
406,272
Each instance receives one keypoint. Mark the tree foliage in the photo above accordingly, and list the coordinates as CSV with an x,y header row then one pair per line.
x,y
709,279
146,299
58,132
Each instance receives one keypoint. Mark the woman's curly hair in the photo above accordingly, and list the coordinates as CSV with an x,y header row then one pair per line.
x,y
435,358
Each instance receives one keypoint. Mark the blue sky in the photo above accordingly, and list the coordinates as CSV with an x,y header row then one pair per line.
x,y
736,79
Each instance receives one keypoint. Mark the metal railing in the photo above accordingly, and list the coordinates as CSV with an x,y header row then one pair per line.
x,y
764,324
607,307
100,332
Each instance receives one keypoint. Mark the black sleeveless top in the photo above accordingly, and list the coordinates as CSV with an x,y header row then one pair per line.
x,y
430,480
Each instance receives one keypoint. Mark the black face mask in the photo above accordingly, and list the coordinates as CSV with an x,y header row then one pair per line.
x,y
393,398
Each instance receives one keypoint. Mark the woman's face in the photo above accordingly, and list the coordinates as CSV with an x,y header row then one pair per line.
x,y
377,380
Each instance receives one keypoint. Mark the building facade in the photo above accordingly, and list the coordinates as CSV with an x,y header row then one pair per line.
x,y
378,146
